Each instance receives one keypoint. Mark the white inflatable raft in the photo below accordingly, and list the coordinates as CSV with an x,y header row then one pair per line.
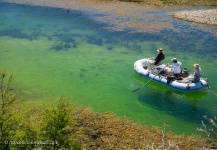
x,y
142,67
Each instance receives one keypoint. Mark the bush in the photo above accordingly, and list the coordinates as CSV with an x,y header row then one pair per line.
x,y
57,126
107,131
8,120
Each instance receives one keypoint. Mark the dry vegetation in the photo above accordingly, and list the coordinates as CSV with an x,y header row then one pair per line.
x,y
179,2
65,3
167,2
107,131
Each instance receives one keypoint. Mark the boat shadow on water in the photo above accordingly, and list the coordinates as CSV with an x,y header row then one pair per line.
x,y
182,105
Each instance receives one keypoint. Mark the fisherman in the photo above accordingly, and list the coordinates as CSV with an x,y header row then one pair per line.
x,y
198,72
176,68
160,57
158,60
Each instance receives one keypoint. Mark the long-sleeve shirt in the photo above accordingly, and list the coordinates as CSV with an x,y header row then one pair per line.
x,y
159,57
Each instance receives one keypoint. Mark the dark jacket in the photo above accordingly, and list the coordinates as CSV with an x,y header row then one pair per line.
x,y
159,57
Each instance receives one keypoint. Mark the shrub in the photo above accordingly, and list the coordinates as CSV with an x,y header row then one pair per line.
x,y
57,126
107,131
7,110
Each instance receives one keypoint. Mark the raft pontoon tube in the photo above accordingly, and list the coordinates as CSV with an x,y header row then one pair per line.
x,y
142,67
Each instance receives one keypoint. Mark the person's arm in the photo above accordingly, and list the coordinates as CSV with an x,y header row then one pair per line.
x,y
156,57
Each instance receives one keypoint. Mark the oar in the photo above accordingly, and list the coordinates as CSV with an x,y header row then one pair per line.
x,y
148,80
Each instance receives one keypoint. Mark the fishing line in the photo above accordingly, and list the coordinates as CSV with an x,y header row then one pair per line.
x,y
208,90
213,92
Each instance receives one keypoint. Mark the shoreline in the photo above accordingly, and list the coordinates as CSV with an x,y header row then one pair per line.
x,y
118,15
205,16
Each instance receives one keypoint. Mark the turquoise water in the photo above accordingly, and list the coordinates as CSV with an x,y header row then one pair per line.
x,y
54,52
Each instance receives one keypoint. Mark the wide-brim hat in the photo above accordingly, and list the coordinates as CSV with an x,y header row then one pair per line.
x,y
174,59
196,65
160,50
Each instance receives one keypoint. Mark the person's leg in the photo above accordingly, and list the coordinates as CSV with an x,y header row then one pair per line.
x,y
196,79
160,63
177,76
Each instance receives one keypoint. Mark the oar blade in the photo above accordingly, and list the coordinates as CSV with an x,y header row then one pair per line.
x,y
135,90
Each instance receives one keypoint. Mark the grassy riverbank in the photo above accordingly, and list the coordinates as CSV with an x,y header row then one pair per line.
x,y
63,126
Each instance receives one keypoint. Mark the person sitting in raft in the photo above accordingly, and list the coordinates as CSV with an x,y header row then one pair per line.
x,y
158,60
198,72
160,57
176,68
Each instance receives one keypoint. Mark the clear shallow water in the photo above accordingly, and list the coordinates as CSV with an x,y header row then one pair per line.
x,y
52,52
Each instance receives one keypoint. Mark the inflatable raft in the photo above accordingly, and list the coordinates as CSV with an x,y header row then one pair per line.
x,y
163,75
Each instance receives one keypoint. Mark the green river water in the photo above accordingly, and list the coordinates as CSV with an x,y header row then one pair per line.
x,y
53,52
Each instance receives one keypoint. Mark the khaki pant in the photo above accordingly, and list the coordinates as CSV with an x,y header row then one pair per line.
x,y
152,64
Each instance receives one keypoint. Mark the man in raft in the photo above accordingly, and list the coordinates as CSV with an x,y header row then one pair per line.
x,y
176,68
160,57
198,72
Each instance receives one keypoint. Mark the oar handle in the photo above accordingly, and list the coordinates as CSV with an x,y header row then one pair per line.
x,y
155,76
149,80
